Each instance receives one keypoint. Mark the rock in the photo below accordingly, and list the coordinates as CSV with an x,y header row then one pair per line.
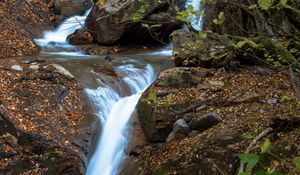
x,y
120,20
72,7
80,37
272,101
62,70
205,122
194,133
157,119
177,77
34,67
189,50
16,68
180,130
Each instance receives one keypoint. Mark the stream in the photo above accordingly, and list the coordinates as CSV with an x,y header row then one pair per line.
x,y
113,100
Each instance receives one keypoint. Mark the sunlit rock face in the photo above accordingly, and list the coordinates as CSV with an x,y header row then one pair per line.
x,y
119,20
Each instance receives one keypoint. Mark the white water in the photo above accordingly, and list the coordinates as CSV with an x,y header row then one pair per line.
x,y
114,113
57,39
195,19
113,110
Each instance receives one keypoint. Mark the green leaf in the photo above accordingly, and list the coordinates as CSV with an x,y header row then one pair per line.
x,y
145,25
283,2
265,4
220,20
285,98
250,160
202,35
261,172
266,146
297,164
240,44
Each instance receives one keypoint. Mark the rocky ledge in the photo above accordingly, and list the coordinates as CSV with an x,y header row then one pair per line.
x,y
198,120
43,127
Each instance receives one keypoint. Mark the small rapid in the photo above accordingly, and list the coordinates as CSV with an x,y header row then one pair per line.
x,y
115,112
112,106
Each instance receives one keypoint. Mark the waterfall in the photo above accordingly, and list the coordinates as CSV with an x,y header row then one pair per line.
x,y
112,109
195,19
114,112
55,40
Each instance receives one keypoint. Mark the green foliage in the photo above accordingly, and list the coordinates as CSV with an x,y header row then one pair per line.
x,y
265,146
250,160
285,98
265,4
248,135
297,164
220,20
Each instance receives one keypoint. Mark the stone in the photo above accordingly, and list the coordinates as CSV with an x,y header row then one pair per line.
x,y
34,67
62,70
205,122
120,20
157,119
272,101
17,68
180,130
177,77
71,7
80,37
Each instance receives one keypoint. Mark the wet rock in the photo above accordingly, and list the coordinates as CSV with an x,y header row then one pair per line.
x,y
80,37
119,20
16,68
71,7
180,130
205,122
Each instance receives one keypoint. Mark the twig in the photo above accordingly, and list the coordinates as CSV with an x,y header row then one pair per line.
x,y
253,143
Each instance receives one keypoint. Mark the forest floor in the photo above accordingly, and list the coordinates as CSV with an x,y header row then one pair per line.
x,y
249,100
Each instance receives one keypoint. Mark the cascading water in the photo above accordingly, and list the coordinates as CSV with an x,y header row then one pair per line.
x,y
195,19
112,109
115,114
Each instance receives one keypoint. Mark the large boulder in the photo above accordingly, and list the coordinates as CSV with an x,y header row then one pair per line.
x,y
71,7
120,20
241,21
